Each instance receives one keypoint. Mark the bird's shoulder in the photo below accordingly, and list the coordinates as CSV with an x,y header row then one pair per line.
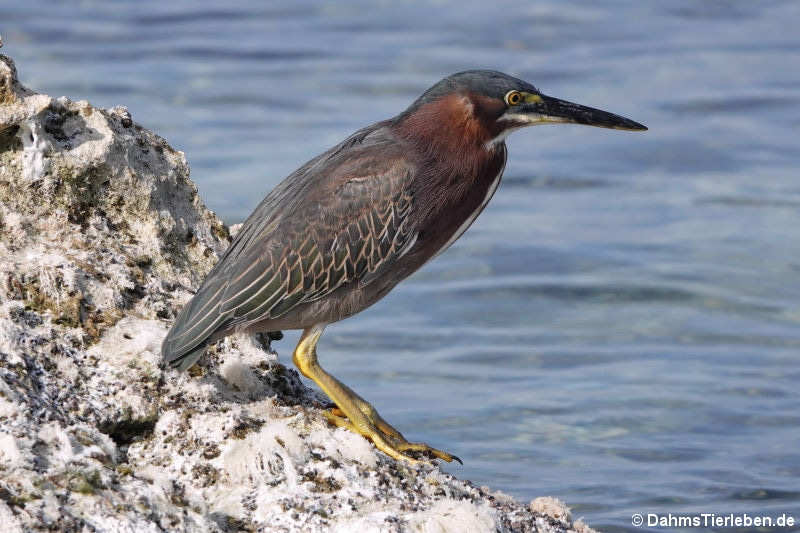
x,y
361,170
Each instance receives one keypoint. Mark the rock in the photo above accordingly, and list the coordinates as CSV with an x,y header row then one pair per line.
x,y
102,238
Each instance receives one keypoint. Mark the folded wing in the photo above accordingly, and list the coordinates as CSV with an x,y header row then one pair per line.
x,y
301,244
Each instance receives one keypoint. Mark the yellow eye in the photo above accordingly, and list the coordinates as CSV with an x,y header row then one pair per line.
x,y
513,97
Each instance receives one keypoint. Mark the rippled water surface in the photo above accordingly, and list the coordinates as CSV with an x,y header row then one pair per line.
x,y
621,327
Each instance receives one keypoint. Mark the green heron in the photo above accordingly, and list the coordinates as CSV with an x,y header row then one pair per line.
x,y
342,230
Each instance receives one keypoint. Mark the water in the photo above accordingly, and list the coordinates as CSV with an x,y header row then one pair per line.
x,y
621,327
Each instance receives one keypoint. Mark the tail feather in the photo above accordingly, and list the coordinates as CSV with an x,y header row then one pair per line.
x,y
196,323
183,362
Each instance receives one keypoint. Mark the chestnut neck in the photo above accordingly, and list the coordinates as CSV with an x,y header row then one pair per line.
x,y
452,133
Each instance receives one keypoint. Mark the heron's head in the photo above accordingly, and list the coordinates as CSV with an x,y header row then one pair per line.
x,y
485,106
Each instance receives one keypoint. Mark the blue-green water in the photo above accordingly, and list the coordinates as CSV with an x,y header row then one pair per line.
x,y
621,327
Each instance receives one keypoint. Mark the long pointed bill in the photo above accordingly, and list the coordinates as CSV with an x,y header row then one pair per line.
x,y
548,109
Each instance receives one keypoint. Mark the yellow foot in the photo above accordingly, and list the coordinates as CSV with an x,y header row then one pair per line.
x,y
352,411
386,438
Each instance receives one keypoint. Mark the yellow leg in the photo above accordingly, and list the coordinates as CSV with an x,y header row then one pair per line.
x,y
352,411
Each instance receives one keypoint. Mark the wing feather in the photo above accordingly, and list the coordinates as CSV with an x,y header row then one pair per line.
x,y
302,244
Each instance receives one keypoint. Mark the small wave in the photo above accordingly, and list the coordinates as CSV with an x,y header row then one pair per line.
x,y
548,182
740,104
748,201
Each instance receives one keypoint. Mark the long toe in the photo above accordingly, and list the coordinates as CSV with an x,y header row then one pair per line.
x,y
428,450
383,442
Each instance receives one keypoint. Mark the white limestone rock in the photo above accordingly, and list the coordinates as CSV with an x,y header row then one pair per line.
x,y
102,238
